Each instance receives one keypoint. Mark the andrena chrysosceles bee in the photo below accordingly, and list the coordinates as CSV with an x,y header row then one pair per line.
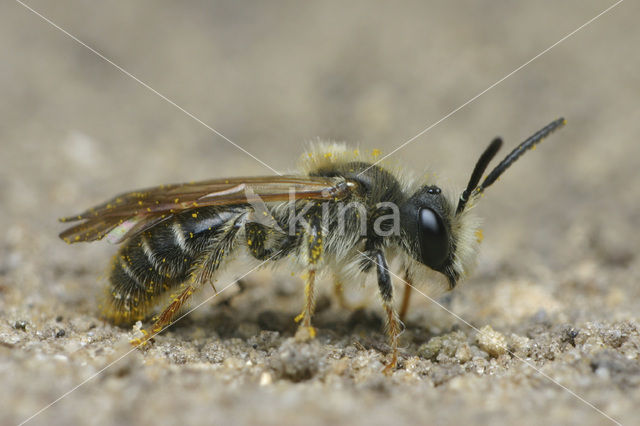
x,y
343,214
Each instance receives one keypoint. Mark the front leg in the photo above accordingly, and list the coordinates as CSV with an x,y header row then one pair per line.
x,y
386,292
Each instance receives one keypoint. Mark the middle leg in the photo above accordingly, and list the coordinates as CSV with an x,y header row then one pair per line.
x,y
314,251
306,331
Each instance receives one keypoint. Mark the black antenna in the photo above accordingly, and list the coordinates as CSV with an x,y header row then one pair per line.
x,y
488,154
520,149
478,170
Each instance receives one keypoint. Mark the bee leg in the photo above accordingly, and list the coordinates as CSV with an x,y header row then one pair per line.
x,y
165,318
202,272
201,275
406,298
314,253
393,323
306,331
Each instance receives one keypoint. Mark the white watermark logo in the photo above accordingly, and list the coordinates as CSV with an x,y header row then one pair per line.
x,y
332,216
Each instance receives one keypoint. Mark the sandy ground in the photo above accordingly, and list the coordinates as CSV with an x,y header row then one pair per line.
x,y
559,276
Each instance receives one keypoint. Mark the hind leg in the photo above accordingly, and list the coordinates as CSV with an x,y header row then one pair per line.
x,y
201,273
164,319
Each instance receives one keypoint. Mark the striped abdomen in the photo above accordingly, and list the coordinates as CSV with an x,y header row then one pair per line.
x,y
160,259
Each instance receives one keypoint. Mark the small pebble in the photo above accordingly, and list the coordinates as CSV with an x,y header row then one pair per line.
x,y
463,353
491,341
266,379
20,325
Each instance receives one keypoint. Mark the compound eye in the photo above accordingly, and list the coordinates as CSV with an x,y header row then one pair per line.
x,y
434,238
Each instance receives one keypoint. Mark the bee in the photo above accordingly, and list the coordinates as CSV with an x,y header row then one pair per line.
x,y
342,214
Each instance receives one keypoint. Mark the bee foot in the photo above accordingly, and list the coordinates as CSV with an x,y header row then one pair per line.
x,y
141,342
305,333
391,366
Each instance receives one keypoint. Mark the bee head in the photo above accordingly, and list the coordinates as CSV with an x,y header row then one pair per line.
x,y
444,237
425,219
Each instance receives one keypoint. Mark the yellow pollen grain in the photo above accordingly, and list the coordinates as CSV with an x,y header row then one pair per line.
x,y
376,152
194,214
479,235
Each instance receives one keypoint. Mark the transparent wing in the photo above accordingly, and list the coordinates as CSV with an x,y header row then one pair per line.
x,y
130,213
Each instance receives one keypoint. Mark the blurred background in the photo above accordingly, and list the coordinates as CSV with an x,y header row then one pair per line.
x,y
273,76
